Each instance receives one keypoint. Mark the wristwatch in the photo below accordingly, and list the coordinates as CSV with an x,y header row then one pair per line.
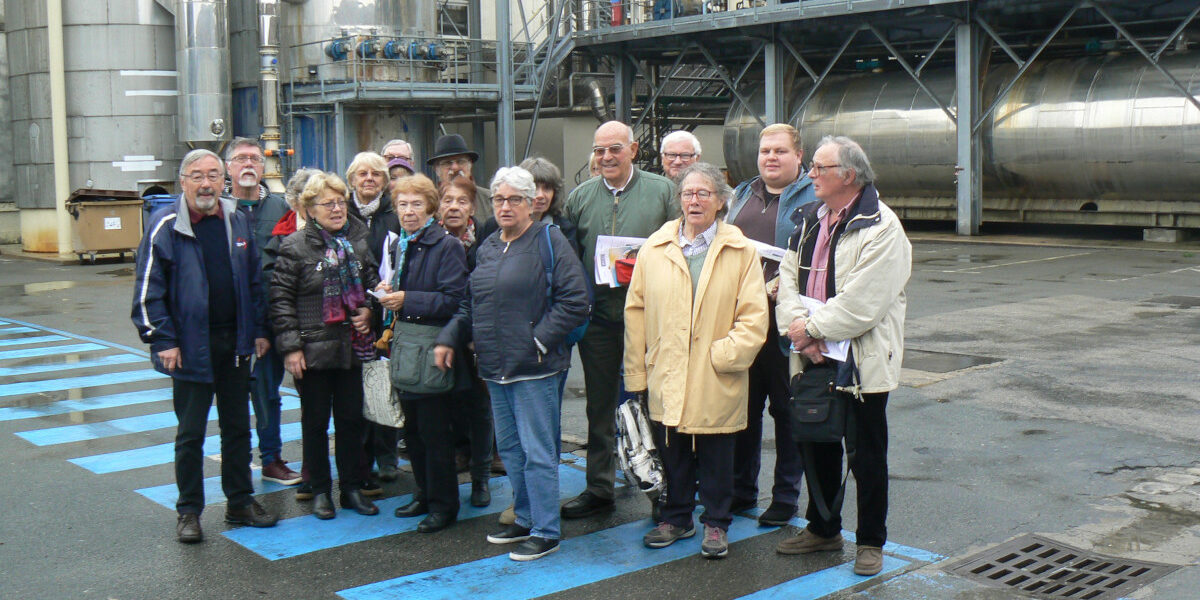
x,y
810,330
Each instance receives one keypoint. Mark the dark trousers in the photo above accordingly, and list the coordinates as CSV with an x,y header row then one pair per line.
x,y
338,392
870,474
471,421
768,380
431,451
600,351
379,447
231,377
707,458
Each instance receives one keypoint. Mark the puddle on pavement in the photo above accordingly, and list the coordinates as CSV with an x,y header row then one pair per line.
x,y
943,362
125,272
1180,302
961,259
1157,526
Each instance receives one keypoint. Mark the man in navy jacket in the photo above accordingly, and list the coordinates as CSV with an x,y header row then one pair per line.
x,y
198,302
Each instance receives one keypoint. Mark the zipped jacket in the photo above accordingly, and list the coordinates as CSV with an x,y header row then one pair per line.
x,y
870,262
170,292
798,193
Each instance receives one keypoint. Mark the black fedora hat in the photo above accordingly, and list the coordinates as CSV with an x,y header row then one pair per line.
x,y
451,145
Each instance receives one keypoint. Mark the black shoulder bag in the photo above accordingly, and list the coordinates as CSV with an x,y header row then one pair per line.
x,y
821,414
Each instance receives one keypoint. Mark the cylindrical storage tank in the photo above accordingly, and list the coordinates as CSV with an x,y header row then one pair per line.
x,y
310,26
1087,129
120,98
202,58
244,68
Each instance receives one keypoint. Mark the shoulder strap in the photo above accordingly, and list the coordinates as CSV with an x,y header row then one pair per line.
x,y
547,250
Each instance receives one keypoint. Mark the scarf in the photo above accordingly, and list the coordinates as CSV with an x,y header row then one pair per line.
x,y
342,290
401,250
468,235
368,209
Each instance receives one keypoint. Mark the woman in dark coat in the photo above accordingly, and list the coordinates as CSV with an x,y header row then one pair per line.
x,y
321,315
548,201
428,282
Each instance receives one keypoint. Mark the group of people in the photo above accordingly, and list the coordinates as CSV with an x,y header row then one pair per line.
x,y
491,286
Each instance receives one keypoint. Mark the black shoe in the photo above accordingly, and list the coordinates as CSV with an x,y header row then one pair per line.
x,y
252,514
187,529
741,505
370,489
388,473
304,492
480,495
777,515
513,534
415,508
323,507
361,504
436,522
584,505
533,549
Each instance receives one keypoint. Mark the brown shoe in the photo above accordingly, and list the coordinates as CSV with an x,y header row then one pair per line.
x,y
808,541
869,560
187,529
279,472
498,466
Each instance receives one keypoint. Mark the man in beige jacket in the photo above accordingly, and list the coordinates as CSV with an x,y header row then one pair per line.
x,y
849,252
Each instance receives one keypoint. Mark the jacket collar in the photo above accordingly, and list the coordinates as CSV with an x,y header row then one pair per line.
x,y
865,212
183,224
756,186
355,229
668,234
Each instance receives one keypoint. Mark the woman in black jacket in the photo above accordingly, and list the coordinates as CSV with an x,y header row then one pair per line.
x,y
426,287
548,201
519,320
321,315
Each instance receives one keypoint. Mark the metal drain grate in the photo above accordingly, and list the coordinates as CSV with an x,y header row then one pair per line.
x,y
1044,568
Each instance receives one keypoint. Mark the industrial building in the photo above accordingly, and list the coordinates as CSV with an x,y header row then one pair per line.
x,y
973,111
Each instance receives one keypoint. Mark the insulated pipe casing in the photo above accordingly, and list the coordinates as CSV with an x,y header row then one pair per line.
x,y
202,60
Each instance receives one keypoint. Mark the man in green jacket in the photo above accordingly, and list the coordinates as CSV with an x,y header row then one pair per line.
x,y
623,201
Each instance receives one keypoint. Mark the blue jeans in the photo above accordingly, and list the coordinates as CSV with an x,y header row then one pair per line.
x,y
264,396
528,417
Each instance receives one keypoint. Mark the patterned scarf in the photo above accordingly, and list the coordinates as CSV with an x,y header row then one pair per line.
x,y
342,291
401,249
368,209
468,235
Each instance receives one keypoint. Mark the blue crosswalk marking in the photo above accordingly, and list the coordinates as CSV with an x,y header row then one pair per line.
x,y
824,582
167,494
50,351
13,413
161,454
11,330
103,361
69,383
40,339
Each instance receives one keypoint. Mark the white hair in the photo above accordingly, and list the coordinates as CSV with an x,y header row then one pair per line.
x,y
851,158
196,155
517,178
680,135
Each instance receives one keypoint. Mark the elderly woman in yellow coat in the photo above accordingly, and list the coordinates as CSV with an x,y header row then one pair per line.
x,y
695,318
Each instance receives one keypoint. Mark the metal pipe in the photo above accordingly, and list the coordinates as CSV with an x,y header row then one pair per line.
x,y
202,59
58,124
268,91
506,138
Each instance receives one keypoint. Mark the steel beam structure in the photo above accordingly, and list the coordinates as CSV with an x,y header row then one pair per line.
x,y
506,134
968,78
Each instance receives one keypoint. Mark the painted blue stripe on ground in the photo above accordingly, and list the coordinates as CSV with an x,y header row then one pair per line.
x,y
894,548
70,383
166,495
13,413
8,330
165,453
82,338
302,535
32,340
51,351
103,361
91,431
821,583
580,561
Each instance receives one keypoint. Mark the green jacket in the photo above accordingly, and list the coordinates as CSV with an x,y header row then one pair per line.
x,y
645,204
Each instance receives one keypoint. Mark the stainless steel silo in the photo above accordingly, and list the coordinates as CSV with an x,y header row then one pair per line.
x,y
202,58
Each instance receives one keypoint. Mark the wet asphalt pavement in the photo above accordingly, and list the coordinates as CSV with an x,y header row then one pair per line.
x,y
1049,389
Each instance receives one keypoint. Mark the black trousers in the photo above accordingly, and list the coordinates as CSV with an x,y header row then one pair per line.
x,y
338,392
869,469
471,420
706,458
431,451
768,381
231,386
600,351
379,447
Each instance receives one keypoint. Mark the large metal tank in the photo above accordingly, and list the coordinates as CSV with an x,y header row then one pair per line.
x,y
1071,133
310,26
202,56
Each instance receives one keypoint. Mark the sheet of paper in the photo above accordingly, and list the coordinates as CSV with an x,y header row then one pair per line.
x,y
768,251
385,264
608,249
837,350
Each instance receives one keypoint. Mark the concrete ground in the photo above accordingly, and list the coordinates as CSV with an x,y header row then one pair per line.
x,y
1051,387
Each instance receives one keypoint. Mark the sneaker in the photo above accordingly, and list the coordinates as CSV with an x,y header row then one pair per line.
x,y
279,472
509,535
508,516
371,489
869,560
777,515
665,534
808,541
252,514
187,529
534,548
304,492
715,544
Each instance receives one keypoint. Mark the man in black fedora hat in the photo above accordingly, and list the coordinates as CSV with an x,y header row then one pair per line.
x,y
451,158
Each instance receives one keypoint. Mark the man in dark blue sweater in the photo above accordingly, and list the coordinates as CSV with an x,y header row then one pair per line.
x,y
198,302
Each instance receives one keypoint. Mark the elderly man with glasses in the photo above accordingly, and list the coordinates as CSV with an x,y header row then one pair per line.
x,y
622,201
678,150
198,301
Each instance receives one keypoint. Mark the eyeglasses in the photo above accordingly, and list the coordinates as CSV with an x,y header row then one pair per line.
x,y
821,169
679,155
599,151
701,194
458,160
198,177
244,158
391,157
418,206
332,204
511,200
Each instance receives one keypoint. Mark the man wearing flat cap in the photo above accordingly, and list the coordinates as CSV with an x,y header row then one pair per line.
x,y
451,158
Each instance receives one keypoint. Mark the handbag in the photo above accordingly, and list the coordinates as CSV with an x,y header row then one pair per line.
x,y
818,410
636,454
412,368
380,404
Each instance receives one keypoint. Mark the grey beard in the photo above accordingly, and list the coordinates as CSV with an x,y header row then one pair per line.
x,y
206,204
